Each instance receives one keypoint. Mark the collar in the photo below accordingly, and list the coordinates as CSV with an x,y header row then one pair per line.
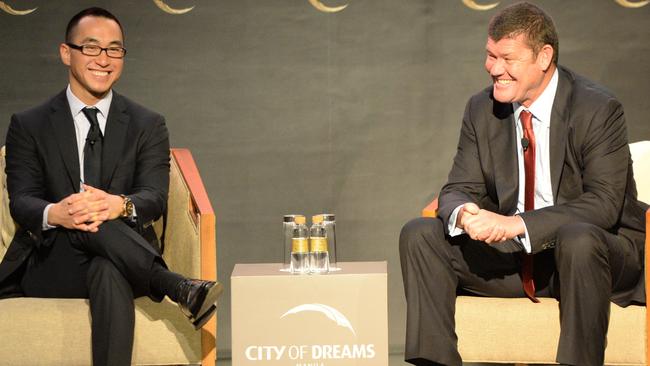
x,y
542,106
77,105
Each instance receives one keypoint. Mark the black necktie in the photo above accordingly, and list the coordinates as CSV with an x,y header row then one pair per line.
x,y
93,149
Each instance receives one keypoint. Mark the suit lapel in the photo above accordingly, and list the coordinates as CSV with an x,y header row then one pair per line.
x,y
503,147
62,128
559,129
114,138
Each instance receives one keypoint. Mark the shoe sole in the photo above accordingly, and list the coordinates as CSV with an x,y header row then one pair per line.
x,y
200,322
209,306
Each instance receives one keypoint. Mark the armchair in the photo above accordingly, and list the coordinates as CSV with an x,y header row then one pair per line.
x,y
481,338
37,331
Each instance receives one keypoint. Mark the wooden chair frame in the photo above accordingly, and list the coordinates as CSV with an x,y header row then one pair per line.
x,y
203,213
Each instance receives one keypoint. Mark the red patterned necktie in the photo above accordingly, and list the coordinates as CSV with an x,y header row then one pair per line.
x,y
528,143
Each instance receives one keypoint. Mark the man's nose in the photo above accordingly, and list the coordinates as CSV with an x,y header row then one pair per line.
x,y
102,59
497,67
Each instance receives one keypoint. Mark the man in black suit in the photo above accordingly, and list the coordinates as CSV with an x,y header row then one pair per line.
x,y
540,201
87,174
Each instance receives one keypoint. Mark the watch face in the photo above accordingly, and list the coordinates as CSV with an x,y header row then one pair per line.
x,y
128,207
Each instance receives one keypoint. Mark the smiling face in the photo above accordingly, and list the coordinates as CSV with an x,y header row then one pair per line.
x,y
91,77
518,75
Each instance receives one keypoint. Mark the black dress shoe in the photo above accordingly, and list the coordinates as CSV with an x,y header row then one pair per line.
x,y
198,300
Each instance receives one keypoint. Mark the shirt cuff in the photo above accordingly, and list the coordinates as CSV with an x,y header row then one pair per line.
x,y
523,238
46,212
453,230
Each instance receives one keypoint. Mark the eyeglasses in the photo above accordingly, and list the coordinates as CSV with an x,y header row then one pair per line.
x,y
94,50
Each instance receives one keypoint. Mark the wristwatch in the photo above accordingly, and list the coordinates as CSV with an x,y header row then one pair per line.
x,y
127,206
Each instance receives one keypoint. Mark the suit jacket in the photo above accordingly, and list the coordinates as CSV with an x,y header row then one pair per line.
x,y
43,167
591,169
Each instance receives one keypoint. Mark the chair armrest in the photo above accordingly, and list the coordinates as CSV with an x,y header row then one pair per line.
x,y
190,236
190,240
202,212
431,210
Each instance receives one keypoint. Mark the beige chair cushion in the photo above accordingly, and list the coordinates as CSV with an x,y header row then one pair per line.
x,y
57,332
519,331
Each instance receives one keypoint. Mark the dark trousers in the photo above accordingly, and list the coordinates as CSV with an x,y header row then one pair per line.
x,y
110,268
587,266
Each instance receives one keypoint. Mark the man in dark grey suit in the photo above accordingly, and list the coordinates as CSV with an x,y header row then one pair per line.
x,y
540,201
87,174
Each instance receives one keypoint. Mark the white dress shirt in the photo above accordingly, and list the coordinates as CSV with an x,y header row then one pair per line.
x,y
81,123
541,110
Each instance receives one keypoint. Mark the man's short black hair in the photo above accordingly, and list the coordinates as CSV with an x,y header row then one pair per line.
x,y
90,12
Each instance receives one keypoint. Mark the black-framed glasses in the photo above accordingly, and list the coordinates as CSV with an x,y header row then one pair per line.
x,y
95,50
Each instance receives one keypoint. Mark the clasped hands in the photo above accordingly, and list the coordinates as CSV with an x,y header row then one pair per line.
x,y
487,226
85,210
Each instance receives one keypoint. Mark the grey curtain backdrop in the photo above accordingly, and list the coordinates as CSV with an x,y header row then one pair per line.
x,y
291,110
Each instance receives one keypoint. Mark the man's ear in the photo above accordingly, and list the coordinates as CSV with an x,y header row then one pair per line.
x,y
64,52
545,57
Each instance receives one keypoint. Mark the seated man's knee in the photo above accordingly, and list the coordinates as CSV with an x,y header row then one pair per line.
x,y
420,231
579,243
101,269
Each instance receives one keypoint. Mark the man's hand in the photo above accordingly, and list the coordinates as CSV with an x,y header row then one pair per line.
x,y
114,203
487,226
468,209
86,210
